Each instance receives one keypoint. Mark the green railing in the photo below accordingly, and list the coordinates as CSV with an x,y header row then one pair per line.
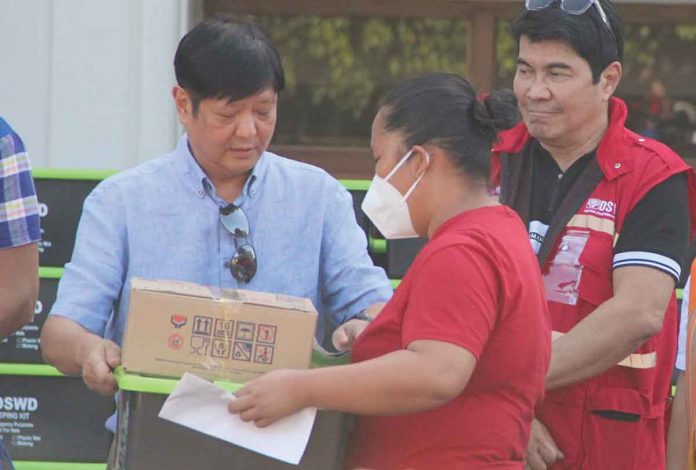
x,y
41,370
50,273
26,465
71,174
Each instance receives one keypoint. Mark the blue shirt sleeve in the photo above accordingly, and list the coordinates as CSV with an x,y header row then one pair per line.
x,y
350,282
93,280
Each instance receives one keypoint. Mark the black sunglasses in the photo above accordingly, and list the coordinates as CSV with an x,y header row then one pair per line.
x,y
243,262
572,7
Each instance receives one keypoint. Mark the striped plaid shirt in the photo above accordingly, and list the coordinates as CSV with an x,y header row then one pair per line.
x,y
19,208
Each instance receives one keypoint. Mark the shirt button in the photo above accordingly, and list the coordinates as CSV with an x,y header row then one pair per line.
x,y
564,247
200,192
617,165
226,264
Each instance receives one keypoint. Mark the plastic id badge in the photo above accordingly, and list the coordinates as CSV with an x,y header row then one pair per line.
x,y
562,281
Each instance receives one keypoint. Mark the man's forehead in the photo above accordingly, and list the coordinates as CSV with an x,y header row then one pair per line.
x,y
546,51
267,95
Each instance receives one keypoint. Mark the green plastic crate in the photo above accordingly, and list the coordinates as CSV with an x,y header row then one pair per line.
x,y
146,442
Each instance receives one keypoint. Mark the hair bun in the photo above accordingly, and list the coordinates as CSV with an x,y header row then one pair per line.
x,y
496,112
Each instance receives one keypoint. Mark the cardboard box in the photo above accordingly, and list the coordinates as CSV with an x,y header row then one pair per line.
x,y
236,335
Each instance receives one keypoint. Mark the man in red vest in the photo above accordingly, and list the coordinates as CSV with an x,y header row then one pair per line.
x,y
609,214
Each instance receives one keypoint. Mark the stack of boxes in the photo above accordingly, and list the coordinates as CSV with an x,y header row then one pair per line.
x,y
49,421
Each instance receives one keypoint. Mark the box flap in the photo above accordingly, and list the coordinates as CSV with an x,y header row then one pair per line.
x,y
268,300
233,295
172,287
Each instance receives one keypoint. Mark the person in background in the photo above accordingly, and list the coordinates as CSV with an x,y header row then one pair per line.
x,y
220,210
609,214
449,373
680,455
19,237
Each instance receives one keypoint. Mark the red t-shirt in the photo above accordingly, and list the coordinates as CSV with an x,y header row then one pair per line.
x,y
476,284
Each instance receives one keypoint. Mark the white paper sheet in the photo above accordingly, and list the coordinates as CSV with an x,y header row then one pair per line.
x,y
202,406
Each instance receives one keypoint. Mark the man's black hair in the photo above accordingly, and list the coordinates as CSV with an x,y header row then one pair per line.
x,y
227,57
586,34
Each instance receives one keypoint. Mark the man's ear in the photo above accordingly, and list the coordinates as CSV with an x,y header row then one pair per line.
x,y
419,161
184,106
610,78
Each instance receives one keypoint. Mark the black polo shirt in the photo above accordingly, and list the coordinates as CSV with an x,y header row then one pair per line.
x,y
654,234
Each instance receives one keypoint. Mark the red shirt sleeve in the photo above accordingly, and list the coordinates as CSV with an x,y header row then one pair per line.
x,y
453,299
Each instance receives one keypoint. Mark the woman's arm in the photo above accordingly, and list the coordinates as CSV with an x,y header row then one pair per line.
x,y
424,376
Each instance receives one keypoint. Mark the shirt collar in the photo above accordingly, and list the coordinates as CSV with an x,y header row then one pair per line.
x,y
610,157
196,179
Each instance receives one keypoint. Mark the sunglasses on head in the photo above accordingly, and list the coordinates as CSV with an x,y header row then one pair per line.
x,y
573,7
243,261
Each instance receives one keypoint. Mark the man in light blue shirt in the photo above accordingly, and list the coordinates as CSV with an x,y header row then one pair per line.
x,y
219,210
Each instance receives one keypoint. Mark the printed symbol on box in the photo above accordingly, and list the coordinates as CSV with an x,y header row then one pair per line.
x,y
245,331
223,328
178,321
220,349
264,354
199,345
242,351
202,325
266,334
176,341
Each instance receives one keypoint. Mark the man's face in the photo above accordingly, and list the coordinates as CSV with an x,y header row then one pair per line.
x,y
228,138
554,89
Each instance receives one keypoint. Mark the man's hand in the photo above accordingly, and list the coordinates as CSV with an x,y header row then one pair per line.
x,y
100,360
542,451
269,398
344,336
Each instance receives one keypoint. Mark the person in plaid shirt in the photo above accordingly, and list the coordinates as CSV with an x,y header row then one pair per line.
x,y
19,236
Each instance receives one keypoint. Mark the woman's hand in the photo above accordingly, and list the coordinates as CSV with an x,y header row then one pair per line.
x,y
542,451
271,397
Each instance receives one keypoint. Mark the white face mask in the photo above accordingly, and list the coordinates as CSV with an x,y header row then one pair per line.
x,y
387,208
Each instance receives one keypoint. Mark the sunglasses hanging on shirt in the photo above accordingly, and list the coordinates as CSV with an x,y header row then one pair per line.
x,y
243,261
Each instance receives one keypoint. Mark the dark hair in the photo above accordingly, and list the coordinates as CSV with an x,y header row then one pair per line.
x,y
586,34
227,57
443,109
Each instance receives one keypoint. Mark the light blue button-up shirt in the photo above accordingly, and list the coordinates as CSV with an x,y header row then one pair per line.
x,y
160,220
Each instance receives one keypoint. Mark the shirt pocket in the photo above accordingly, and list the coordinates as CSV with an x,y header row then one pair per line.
x,y
159,247
290,264
620,418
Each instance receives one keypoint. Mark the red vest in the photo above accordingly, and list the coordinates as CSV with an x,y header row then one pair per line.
x,y
577,268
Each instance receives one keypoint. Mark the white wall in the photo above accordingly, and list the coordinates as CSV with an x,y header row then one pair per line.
x,y
87,83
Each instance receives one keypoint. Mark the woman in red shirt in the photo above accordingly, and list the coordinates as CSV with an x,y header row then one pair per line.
x,y
448,374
